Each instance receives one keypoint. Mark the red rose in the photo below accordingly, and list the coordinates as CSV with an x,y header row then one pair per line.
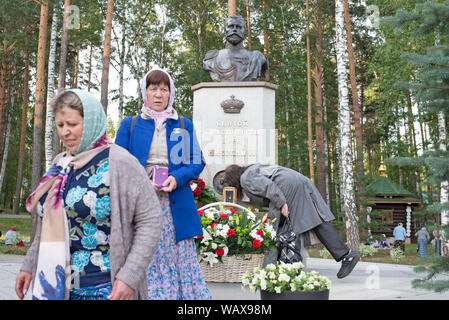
x,y
197,191
223,216
233,211
213,225
201,184
199,237
260,232
256,243
230,233
219,252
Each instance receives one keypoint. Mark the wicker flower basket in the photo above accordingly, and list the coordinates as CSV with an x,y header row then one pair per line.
x,y
234,266
232,269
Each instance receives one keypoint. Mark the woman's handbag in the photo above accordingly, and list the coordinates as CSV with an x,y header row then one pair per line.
x,y
289,243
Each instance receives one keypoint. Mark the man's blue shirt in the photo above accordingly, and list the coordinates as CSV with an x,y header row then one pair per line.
x,y
399,233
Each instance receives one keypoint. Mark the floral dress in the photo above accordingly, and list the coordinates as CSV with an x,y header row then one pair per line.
x,y
87,205
174,272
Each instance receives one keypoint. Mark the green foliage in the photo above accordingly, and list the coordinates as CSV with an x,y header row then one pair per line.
x,y
431,85
397,254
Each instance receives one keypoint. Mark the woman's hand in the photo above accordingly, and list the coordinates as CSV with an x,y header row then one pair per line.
x,y
121,291
23,281
284,210
169,184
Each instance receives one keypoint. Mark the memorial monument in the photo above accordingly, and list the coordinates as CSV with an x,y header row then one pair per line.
x,y
234,115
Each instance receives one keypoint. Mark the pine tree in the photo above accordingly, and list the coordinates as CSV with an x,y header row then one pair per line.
x,y
432,89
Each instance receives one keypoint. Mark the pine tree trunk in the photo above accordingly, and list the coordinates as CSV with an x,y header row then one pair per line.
x,y
51,91
232,7
3,84
265,36
8,131
309,100
106,55
39,104
248,25
16,202
355,103
320,177
344,117
412,137
290,88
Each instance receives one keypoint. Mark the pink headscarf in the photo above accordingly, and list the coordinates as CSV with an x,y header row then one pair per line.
x,y
158,117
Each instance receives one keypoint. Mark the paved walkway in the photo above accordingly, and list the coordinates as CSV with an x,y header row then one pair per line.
x,y
368,281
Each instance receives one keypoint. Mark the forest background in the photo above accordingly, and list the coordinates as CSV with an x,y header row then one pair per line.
x,y
107,46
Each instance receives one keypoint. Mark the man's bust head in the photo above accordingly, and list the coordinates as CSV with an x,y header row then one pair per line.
x,y
234,63
235,29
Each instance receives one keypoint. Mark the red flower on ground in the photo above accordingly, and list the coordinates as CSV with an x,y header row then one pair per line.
x,y
256,243
219,252
223,216
197,191
200,212
260,232
230,233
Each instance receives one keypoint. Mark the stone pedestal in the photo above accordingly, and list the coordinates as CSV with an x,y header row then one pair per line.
x,y
235,124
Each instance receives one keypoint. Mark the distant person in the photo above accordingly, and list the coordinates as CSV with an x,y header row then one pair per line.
x,y
288,193
423,238
399,235
437,241
11,236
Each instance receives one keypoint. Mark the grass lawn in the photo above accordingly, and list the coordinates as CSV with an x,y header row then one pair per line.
x,y
383,256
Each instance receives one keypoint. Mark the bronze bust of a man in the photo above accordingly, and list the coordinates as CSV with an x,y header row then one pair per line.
x,y
234,63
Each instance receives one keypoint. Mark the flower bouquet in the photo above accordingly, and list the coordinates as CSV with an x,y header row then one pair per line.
x,y
201,193
287,281
232,240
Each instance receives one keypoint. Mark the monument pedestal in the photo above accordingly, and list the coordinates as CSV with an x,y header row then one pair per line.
x,y
235,124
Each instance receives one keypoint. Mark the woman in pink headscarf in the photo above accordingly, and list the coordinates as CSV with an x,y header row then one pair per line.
x,y
165,144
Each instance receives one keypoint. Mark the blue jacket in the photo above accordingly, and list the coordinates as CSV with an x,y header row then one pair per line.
x,y
182,204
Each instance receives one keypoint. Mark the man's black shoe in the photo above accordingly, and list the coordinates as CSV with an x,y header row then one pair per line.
x,y
348,263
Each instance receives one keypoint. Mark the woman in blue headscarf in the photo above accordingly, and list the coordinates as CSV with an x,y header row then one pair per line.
x,y
99,218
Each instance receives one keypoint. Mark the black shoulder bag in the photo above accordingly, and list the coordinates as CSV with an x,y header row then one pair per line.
x,y
289,243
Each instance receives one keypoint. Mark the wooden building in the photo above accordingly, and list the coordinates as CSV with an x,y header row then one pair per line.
x,y
396,204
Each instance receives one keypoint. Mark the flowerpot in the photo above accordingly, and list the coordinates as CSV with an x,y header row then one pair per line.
x,y
295,295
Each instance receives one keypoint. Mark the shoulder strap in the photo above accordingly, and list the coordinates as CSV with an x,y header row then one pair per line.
x,y
132,125
183,127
